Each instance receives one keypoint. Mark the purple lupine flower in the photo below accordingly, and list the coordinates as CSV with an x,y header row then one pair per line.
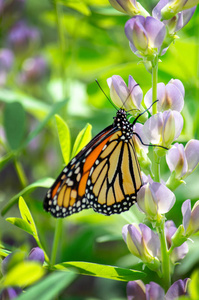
x,y
176,22
6,59
130,7
183,160
170,96
178,288
155,199
33,69
37,254
173,7
178,253
145,35
190,217
21,36
164,128
122,96
136,290
10,293
143,243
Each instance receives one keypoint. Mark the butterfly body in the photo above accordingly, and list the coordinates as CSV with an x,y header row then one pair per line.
x,y
104,175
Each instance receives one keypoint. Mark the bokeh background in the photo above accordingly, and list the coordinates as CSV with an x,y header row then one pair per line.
x,y
52,51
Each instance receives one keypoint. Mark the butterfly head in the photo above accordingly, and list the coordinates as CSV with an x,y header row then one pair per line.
x,y
122,123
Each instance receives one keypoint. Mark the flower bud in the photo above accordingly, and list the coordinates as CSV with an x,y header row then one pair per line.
x,y
155,199
37,254
170,96
143,243
135,290
190,217
178,288
175,6
164,128
130,7
122,96
146,36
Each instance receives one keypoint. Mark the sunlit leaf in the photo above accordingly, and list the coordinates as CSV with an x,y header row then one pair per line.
x,y
44,182
103,271
21,224
23,274
26,215
82,139
78,5
64,138
14,124
49,287
193,286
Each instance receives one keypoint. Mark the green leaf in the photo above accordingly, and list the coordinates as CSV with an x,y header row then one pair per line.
x,y
26,215
82,139
55,108
64,138
5,159
21,224
103,271
193,286
45,183
23,274
14,124
49,288
80,6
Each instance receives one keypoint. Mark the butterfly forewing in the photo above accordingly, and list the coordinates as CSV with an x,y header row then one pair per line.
x,y
105,175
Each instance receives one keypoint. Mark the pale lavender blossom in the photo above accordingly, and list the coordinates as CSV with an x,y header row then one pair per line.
x,y
175,23
33,69
21,36
36,254
122,96
164,128
190,217
178,288
10,293
183,160
146,36
155,199
143,243
178,253
136,290
173,7
130,7
170,96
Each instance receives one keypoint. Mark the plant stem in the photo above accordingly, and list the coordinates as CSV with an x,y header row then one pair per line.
x,y
21,173
57,237
165,256
62,45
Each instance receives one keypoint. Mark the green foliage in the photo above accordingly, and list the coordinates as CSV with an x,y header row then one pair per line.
x,y
64,138
82,139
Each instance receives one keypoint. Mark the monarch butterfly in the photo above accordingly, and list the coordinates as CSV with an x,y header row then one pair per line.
x,y
105,175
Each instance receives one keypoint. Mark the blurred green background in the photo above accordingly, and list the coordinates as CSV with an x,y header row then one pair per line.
x,y
54,51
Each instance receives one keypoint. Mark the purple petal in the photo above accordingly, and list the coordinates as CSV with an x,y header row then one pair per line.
x,y
156,13
140,38
10,293
186,213
135,91
117,5
146,200
118,90
195,216
154,291
37,254
176,160
138,129
129,26
161,93
153,128
179,252
170,229
179,85
136,237
155,31
125,232
192,154
174,98
173,123
184,18
178,288
135,290
134,50
151,239
165,197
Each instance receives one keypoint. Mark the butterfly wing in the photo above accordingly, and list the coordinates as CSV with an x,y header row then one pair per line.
x,y
115,177
67,194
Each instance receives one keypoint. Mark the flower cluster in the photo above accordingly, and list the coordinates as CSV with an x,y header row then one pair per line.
x,y
150,36
22,40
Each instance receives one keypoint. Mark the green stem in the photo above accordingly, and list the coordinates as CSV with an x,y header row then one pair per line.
x,y
21,173
57,237
62,45
166,277
40,246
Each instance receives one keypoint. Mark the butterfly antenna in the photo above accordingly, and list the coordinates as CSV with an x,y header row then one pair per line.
x,y
129,96
105,94
144,112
